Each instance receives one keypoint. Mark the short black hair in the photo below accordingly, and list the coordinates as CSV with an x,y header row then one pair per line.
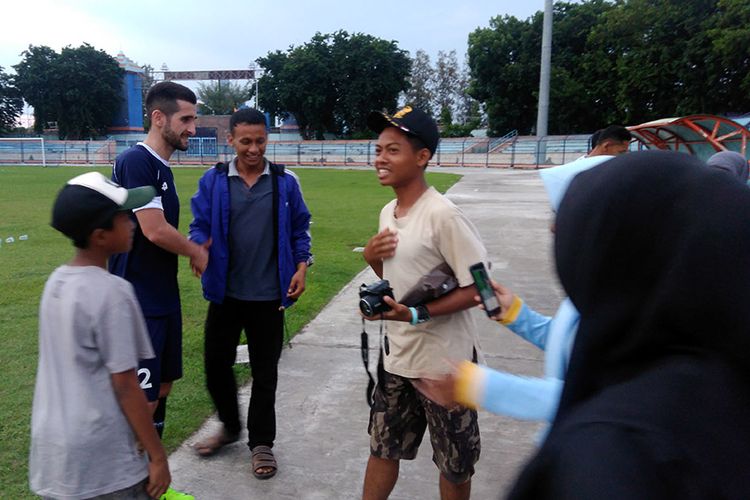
x,y
81,238
594,139
249,116
616,133
417,144
164,96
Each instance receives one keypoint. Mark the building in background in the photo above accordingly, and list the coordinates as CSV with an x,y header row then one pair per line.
x,y
128,122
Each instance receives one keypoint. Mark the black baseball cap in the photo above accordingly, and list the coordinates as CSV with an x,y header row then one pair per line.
x,y
89,200
412,121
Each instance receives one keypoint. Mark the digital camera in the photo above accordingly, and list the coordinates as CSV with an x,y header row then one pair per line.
x,y
371,300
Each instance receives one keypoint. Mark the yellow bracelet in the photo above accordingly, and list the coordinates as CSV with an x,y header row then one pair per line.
x,y
513,311
467,384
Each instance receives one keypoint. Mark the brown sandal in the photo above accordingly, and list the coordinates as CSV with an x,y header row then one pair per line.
x,y
263,459
212,445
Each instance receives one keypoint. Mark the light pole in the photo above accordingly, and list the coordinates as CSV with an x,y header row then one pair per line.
x,y
255,70
542,116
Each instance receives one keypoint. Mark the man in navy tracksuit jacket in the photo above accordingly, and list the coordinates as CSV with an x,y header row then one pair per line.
x,y
251,215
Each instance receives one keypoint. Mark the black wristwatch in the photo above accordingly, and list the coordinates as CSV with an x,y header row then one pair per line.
x,y
422,314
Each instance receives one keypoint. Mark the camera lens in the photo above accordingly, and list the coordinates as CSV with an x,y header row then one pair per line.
x,y
365,307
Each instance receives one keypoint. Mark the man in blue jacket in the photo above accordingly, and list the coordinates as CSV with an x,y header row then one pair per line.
x,y
251,215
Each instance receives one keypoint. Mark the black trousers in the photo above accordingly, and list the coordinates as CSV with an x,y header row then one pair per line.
x,y
264,328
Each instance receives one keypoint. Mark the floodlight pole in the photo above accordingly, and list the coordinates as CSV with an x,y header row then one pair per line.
x,y
542,116
255,69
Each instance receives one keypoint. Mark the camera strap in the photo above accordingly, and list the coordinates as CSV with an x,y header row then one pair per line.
x,y
365,351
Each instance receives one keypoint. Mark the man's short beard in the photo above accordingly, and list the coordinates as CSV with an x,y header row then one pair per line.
x,y
173,139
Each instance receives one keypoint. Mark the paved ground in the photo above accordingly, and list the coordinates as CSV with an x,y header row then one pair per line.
x,y
322,444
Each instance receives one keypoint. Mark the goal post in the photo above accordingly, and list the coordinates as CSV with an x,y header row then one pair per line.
x,y
23,151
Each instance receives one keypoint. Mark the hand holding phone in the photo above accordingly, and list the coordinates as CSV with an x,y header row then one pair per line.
x,y
484,288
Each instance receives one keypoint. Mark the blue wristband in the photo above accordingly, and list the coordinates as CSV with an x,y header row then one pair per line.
x,y
414,316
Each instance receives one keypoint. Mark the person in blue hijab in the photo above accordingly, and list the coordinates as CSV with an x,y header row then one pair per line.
x,y
504,393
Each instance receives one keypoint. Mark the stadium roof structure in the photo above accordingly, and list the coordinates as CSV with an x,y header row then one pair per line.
x,y
700,135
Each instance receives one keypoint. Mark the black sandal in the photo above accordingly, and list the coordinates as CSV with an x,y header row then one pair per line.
x,y
263,458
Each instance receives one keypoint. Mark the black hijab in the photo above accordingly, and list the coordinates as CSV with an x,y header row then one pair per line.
x,y
653,249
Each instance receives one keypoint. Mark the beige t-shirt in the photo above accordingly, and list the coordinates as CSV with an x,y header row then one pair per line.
x,y
434,231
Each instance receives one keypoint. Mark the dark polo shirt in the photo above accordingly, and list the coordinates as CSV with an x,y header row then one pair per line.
x,y
253,268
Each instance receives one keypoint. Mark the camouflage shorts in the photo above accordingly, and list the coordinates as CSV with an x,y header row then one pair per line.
x,y
399,416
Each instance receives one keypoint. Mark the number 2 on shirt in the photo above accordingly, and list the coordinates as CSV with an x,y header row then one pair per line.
x,y
145,384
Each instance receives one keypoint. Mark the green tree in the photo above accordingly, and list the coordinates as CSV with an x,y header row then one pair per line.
x,y
79,88
730,42
446,117
331,83
468,109
622,61
300,82
35,77
504,69
11,103
370,73
450,129
447,81
661,62
581,97
222,97
421,81
270,93
147,81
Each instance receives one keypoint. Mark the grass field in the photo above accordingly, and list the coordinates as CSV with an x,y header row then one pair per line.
x,y
344,204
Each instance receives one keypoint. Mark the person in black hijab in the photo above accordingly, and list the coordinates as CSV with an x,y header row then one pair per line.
x,y
654,251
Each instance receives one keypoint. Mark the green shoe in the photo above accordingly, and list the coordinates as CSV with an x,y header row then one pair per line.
x,y
171,494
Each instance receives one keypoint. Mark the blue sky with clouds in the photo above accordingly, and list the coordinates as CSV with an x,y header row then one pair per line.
x,y
229,34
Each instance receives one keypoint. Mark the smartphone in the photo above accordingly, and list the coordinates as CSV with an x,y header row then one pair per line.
x,y
484,287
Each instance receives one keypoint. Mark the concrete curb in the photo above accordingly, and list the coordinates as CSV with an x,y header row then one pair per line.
x,y
322,443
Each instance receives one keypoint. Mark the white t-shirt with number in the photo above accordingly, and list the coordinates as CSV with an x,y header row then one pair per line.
x,y
90,326
434,231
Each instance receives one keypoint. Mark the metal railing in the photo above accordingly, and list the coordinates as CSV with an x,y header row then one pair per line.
x,y
510,151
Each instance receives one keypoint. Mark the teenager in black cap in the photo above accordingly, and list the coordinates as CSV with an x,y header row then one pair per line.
x,y
420,230
652,250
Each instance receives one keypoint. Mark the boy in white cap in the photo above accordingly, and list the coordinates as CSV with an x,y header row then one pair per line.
x,y
89,411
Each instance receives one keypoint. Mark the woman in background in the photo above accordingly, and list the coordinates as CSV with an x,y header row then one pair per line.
x,y
656,402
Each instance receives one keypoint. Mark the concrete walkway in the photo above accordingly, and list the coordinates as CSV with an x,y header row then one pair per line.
x,y
322,444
